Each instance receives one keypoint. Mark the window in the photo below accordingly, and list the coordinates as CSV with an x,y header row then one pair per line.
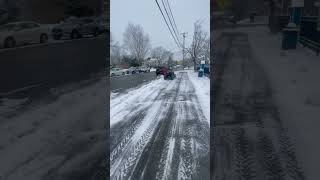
x,y
29,25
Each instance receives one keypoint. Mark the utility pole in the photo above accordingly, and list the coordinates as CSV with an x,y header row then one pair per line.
x,y
183,56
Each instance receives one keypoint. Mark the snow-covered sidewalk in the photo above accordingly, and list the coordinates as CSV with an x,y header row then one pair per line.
x,y
202,87
294,77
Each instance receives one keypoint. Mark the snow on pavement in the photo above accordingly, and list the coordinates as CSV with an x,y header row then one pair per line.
x,y
45,138
294,78
202,87
155,127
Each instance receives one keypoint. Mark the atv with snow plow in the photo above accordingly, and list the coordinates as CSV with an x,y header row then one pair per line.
x,y
169,75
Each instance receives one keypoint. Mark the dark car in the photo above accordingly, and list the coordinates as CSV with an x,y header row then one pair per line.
x,y
76,28
161,71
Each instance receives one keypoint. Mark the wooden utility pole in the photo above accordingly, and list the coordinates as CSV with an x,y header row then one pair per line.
x,y
183,51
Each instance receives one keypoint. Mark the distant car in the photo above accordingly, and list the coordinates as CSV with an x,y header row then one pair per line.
x,y
133,70
126,71
75,28
161,71
22,33
144,69
117,72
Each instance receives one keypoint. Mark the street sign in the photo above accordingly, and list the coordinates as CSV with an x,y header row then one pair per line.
x,y
297,3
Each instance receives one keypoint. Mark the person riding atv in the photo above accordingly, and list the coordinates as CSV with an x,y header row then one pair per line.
x,y
169,75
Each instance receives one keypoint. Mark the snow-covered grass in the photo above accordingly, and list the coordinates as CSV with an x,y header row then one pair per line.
x,y
294,77
202,88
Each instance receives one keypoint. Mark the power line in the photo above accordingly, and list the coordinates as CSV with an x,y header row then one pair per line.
x,y
166,23
172,17
174,30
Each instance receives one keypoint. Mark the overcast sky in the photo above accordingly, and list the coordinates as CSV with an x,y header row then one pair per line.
x,y
147,14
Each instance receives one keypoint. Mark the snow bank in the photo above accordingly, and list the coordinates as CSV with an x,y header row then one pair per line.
x,y
202,88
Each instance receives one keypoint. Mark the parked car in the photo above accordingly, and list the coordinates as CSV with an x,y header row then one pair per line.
x,y
161,71
103,24
22,33
126,71
144,69
75,28
133,70
4,15
117,72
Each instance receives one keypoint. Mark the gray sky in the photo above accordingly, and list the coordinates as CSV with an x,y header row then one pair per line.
x,y
147,14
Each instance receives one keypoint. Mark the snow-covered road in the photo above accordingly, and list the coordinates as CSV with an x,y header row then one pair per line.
x,y
160,131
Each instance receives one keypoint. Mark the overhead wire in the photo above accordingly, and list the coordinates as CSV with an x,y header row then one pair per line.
x,y
174,29
167,24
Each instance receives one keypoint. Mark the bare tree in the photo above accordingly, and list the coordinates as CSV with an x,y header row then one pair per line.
x,y
115,54
198,45
206,51
115,51
160,54
136,42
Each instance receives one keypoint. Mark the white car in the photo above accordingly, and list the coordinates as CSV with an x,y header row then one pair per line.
x,y
117,72
133,70
144,69
75,28
22,33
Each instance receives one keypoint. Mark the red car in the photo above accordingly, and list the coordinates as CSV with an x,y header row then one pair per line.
x,y
162,71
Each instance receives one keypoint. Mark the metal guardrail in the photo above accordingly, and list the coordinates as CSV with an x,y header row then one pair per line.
x,y
311,44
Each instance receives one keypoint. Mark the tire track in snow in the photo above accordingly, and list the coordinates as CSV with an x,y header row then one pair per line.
x,y
122,166
167,134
